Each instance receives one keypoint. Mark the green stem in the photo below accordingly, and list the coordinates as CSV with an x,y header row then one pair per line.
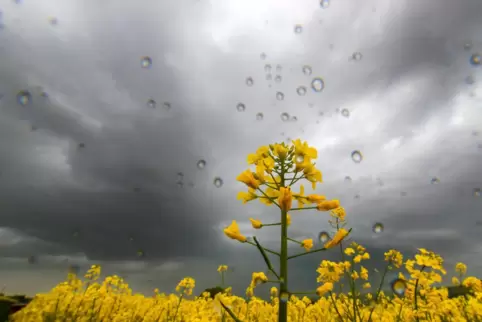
x,y
265,257
303,208
415,291
268,197
294,241
378,292
283,305
275,224
231,313
335,306
177,308
222,279
307,253
265,249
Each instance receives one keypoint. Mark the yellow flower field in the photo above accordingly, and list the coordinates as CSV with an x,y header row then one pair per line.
x,y
415,295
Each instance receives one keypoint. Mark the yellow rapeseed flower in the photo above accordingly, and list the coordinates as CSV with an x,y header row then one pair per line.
x,y
247,177
222,268
232,231
339,236
285,198
307,244
247,196
328,205
256,223
461,268
325,288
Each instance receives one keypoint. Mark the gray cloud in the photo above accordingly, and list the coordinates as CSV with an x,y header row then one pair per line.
x,y
411,115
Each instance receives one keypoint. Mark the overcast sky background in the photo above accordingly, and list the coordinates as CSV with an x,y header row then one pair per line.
x,y
89,171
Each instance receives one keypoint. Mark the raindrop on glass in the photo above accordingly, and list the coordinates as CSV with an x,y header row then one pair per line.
x,y
151,103
357,56
259,116
24,98
180,176
298,29
435,180
357,197
249,81
53,21
269,77
81,145
348,179
468,45
470,80
399,287
324,3
278,79
323,237
279,68
345,112
284,297
403,193
476,59
146,62
267,68
294,119
477,192
167,106
241,107
201,164
378,228
262,56
356,156
218,182
317,84
280,96
285,117
301,90
307,70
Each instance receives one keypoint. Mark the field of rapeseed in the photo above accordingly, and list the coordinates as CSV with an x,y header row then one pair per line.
x,y
414,297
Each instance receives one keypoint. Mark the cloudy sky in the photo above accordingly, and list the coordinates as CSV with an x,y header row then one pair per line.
x,y
91,155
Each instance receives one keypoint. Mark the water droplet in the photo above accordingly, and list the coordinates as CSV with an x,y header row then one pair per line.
x,y
345,112
81,145
278,79
294,119
324,3
357,197
357,56
284,297
262,56
53,21
307,70
435,180
279,68
285,117
356,156
218,182
476,59
399,287
259,116
249,81
151,103
468,45
267,68
167,106
241,107
269,77
403,193
24,98
348,179
477,192
298,29
146,62
301,90
378,228
470,80
280,96
201,164
323,237
180,176
317,84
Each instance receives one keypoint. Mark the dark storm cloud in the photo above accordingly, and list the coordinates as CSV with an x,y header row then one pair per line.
x,y
122,182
